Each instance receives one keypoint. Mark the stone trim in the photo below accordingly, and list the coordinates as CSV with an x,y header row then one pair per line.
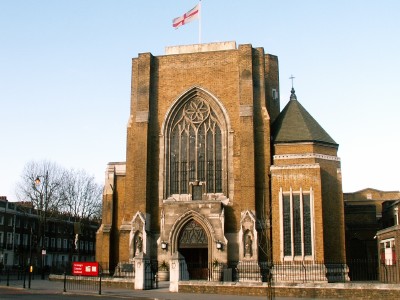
x,y
307,155
290,167
142,117
246,111
194,48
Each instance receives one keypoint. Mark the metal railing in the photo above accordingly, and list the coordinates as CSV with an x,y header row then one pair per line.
x,y
17,276
359,270
82,283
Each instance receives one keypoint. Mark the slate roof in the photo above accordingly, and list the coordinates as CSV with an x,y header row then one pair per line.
x,y
294,124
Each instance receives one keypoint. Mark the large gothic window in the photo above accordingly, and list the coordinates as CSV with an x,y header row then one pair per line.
x,y
194,148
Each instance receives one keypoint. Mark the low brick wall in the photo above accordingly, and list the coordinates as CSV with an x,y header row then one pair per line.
x,y
306,290
325,290
114,282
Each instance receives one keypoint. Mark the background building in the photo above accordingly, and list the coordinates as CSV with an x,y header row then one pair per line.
x,y
20,243
363,218
388,241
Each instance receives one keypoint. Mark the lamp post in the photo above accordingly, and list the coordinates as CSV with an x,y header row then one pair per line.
x,y
4,241
43,207
30,268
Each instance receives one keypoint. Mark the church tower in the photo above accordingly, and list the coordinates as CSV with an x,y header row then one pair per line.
x,y
307,197
202,176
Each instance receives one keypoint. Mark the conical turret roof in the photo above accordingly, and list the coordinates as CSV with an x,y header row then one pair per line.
x,y
295,124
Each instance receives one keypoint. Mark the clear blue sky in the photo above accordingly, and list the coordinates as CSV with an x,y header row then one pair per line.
x,y
65,70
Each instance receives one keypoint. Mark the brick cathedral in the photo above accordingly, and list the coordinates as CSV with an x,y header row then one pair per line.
x,y
216,171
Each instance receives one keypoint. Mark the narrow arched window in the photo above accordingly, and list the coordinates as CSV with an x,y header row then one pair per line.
x,y
194,148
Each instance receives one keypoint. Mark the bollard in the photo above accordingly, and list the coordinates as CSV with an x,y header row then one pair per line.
x,y
30,276
8,277
65,282
156,280
100,283
24,277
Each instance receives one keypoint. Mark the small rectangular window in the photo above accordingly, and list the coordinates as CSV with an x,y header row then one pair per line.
x,y
197,192
17,239
9,238
274,94
25,239
388,252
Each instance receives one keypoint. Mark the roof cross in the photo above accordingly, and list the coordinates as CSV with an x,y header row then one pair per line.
x,y
292,77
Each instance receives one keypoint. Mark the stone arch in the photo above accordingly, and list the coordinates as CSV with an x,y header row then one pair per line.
x,y
191,93
180,224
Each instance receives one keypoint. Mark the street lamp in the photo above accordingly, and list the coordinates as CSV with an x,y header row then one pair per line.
x,y
4,241
164,245
43,207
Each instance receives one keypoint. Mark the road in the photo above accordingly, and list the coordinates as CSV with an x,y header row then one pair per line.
x,y
8,293
49,290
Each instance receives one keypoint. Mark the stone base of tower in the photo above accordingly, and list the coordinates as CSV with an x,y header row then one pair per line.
x,y
125,269
337,272
103,247
299,272
249,271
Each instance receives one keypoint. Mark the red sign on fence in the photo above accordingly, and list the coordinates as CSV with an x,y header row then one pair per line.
x,y
85,268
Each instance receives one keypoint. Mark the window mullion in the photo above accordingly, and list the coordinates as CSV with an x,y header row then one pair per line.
x,y
187,166
206,177
302,223
214,160
179,162
291,223
196,151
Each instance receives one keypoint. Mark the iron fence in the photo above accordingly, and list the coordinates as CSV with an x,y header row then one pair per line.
x,y
12,277
296,271
83,283
17,276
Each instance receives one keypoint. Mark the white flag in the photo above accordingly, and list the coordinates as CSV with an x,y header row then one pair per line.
x,y
191,15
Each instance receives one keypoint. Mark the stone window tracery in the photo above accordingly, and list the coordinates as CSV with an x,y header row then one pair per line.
x,y
194,148
193,236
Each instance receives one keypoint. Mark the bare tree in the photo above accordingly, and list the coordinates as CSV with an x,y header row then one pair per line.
x,y
41,184
53,190
81,195
82,201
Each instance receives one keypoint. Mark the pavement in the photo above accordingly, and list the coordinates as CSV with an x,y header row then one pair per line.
x,y
47,287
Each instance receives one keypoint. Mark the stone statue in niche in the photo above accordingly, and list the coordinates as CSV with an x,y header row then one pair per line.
x,y
138,244
248,245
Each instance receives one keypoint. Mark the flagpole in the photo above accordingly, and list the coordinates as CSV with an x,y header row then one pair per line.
x,y
200,11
